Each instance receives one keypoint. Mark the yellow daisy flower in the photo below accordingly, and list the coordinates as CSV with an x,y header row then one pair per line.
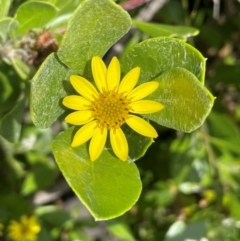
x,y
109,107
24,230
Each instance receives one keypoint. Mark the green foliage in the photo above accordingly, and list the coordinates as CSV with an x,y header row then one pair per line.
x,y
160,30
48,87
4,8
180,231
41,14
120,229
11,123
4,28
186,101
52,215
36,179
85,39
157,55
108,187
188,178
10,88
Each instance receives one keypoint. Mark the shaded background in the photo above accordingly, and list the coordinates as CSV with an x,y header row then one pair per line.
x,y
190,181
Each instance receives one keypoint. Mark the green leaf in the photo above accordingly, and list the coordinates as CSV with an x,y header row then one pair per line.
x,y
161,195
9,209
6,90
232,204
59,22
92,30
186,101
4,8
120,229
4,28
224,133
53,215
36,179
21,68
66,6
12,31
34,140
175,230
157,55
222,144
180,231
188,161
108,187
34,14
10,126
161,30
10,88
221,125
228,170
48,87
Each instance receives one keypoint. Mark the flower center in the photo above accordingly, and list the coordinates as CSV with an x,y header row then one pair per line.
x,y
110,109
24,230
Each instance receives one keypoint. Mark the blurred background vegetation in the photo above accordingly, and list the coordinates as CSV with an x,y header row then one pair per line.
x,y
190,181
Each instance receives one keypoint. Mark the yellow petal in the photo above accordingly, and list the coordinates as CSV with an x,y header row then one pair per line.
x,y
30,237
141,126
143,90
97,143
84,134
76,102
83,87
33,224
13,224
113,74
24,220
79,117
99,71
119,143
146,106
32,220
35,228
129,81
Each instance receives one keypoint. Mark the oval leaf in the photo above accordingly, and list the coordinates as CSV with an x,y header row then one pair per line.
x,y
92,30
4,28
157,55
186,101
34,15
48,87
21,68
108,187
10,88
4,8
161,30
